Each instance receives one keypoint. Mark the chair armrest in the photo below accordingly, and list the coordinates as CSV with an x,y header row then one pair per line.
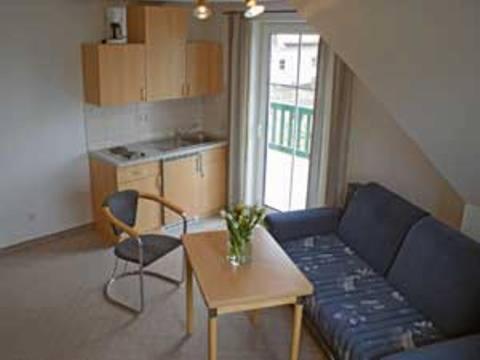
x,y
176,209
119,224
464,348
302,223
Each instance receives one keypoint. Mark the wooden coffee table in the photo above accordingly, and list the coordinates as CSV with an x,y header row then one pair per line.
x,y
270,279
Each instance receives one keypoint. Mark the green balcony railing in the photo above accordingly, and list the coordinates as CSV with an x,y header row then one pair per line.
x,y
286,133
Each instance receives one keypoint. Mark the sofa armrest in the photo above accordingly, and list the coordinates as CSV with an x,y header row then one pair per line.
x,y
302,223
464,348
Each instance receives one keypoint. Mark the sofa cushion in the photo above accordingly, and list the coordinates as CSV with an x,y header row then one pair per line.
x,y
375,224
301,223
358,313
438,270
465,348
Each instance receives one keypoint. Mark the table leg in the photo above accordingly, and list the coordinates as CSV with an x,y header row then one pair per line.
x,y
253,316
296,331
189,297
212,335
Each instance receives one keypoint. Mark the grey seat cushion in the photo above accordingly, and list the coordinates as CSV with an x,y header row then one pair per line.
x,y
358,312
154,247
438,270
376,222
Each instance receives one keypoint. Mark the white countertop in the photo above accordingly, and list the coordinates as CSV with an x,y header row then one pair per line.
x,y
156,150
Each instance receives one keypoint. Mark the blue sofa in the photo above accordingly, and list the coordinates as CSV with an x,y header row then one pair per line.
x,y
391,282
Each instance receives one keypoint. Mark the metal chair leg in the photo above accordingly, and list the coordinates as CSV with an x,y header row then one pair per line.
x,y
141,273
142,290
140,265
114,271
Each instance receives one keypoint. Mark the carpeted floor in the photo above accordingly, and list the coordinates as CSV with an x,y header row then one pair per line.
x,y
52,307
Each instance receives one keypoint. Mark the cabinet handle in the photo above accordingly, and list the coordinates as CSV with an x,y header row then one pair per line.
x,y
188,89
143,96
200,160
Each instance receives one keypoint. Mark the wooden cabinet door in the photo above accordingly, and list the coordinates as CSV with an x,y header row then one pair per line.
x,y
114,74
149,212
212,182
165,39
180,186
204,68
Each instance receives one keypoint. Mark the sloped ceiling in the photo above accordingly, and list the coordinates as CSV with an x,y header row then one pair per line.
x,y
421,58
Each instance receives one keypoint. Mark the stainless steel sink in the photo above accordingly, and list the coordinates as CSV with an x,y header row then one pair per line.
x,y
197,138
167,145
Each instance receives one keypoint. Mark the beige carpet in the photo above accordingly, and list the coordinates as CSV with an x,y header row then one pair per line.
x,y
52,307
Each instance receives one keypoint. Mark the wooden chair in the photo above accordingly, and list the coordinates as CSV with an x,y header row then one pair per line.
x,y
120,209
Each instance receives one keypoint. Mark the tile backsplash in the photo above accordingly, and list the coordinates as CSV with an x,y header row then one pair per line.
x,y
113,126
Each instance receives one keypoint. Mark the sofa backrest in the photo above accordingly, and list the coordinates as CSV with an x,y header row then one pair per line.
x,y
438,271
376,222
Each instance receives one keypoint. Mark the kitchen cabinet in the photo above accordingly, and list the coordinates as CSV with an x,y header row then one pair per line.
x,y
163,30
148,212
113,74
107,178
212,182
180,185
158,63
204,68
196,182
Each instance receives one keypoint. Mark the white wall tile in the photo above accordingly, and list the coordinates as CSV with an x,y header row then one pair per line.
x,y
113,126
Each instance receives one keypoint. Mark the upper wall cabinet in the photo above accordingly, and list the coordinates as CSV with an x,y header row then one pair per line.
x,y
204,68
158,63
163,30
113,74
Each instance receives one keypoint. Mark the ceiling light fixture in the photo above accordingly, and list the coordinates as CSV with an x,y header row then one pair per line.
x,y
253,9
202,11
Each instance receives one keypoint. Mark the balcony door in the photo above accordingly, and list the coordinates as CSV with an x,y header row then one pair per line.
x,y
287,103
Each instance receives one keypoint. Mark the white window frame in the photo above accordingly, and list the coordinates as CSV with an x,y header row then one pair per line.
x,y
262,29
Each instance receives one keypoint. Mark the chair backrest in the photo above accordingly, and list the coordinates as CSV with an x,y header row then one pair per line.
x,y
123,205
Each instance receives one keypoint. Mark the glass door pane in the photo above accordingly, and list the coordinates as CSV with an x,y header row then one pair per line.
x,y
290,119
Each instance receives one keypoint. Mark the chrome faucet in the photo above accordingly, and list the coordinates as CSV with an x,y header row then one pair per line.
x,y
181,133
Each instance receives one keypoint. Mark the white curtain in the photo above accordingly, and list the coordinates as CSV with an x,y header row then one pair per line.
x,y
239,45
336,173
328,163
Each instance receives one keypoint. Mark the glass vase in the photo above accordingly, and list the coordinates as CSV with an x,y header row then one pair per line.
x,y
239,250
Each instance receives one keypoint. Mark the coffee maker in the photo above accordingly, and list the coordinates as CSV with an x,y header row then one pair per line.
x,y
116,25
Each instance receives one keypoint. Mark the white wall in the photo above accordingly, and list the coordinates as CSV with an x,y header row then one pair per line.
x,y
44,186
379,150
471,221
420,59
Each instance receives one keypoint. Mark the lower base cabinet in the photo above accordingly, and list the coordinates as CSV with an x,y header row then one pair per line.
x,y
107,179
196,182
180,186
149,213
